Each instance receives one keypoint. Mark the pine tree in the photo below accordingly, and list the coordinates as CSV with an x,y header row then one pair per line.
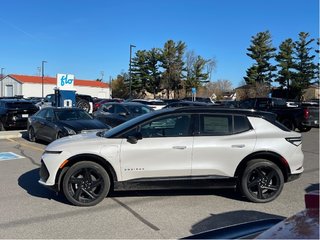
x,y
172,63
154,76
304,66
139,73
262,52
285,64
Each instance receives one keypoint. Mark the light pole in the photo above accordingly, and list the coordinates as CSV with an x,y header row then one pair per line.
x,y
42,75
2,91
131,46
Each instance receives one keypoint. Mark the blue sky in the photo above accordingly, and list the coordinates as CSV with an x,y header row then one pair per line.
x,y
85,37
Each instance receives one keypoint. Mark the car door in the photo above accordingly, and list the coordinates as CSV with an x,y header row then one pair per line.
x,y
222,141
165,149
48,129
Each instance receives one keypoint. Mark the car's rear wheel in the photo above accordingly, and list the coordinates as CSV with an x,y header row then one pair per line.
x,y
86,184
262,181
31,134
84,104
288,123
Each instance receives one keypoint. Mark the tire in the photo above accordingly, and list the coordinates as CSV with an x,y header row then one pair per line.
x,y
59,135
289,124
2,127
86,184
83,104
304,129
31,135
262,181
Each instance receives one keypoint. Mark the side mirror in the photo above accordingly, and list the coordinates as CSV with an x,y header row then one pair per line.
x,y
133,139
123,114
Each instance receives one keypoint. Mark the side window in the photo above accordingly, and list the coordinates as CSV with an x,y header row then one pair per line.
x,y
50,114
215,125
247,104
263,104
42,113
169,126
241,124
119,109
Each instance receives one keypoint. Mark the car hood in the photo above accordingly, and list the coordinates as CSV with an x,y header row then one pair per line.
x,y
80,125
74,140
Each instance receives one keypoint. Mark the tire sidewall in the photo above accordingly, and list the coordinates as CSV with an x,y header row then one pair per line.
x,y
251,165
86,164
31,133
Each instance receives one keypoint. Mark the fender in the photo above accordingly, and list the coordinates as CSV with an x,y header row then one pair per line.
x,y
268,155
86,157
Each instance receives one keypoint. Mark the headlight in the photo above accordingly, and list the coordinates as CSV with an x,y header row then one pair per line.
x,y
70,131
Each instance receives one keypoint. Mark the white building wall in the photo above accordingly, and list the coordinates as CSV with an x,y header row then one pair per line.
x,y
6,83
35,90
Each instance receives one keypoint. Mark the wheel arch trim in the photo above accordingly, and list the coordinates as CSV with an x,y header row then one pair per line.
x,y
86,157
276,158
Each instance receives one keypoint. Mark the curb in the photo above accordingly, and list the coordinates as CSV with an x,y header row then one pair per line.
x,y
12,134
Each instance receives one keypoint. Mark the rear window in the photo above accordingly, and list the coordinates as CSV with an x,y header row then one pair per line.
x,y
241,124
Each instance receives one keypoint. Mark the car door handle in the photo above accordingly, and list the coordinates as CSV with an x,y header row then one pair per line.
x,y
179,147
238,146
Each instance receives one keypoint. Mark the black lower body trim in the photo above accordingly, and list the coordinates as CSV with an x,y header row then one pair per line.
x,y
176,183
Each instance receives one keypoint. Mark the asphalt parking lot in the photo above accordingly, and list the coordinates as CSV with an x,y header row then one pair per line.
x,y
29,210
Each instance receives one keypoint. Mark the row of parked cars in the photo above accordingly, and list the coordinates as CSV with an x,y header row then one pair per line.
x,y
51,123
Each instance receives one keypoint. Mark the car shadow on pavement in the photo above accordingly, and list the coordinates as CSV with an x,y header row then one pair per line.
x,y
215,221
29,182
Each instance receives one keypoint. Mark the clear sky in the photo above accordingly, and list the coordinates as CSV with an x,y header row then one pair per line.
x,y
85,37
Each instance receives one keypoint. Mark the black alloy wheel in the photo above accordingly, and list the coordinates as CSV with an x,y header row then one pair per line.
x,y
31,135
262,181
86,184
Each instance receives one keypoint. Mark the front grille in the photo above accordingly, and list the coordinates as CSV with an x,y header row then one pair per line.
x,y
44,173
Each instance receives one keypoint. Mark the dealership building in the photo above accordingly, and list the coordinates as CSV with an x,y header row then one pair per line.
x,y
31,86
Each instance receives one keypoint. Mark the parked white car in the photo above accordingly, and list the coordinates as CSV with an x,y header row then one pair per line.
x,y
187,147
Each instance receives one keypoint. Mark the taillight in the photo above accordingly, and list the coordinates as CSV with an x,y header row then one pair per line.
x,y
294,140
306,113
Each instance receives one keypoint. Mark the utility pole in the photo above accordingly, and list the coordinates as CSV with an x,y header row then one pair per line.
x,y
42,75
130,79
2,91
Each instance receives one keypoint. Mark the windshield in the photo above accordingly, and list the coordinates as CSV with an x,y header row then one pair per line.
x,y
72,114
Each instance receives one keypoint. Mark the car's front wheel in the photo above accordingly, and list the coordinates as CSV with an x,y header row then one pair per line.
x,y
31,135
86,183
262,181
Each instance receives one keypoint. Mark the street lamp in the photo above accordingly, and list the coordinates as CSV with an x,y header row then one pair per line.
x,y
131,46
42,75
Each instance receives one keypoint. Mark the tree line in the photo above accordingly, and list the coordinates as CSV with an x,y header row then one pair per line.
x,y
173,71
292,67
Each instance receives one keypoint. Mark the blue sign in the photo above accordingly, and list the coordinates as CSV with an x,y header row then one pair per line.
x,y
193,90
4,156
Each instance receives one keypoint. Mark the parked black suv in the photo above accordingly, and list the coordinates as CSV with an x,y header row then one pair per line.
x,y
14,113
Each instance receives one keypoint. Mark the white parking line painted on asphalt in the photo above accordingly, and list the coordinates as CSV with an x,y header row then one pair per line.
x,y
5,156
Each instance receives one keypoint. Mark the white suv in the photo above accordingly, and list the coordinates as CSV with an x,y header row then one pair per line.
x,y
188,147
